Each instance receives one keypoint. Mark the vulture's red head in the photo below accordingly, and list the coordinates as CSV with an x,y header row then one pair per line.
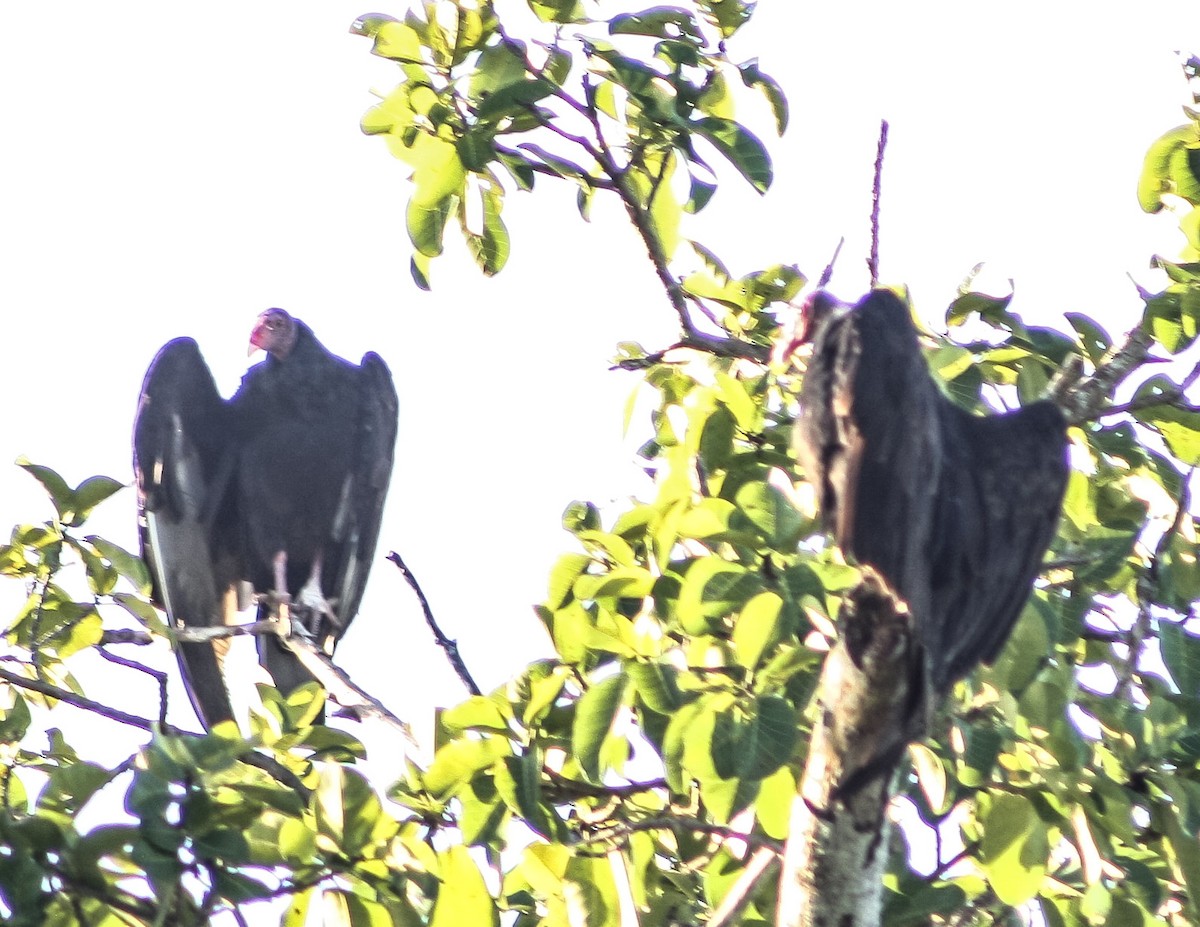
x,y
274,332
804,324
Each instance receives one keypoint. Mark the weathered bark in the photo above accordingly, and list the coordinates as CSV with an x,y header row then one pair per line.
x,y
872,704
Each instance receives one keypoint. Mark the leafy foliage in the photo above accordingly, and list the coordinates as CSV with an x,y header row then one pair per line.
x,y
639,767
635,103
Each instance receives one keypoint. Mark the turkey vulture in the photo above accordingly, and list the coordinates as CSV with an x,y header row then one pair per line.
x,y
281,487
954,510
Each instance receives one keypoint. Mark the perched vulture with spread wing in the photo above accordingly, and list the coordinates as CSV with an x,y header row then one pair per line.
x,y
281,487
954,510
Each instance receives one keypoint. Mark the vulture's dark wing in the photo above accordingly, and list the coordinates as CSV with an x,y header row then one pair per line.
x,y
184,466
1003,479
954,510
868,439
350,557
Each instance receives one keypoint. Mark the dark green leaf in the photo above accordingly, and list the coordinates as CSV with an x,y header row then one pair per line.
x,y
596,715
740,146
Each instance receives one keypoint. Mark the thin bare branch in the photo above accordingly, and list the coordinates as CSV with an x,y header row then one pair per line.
x,y
876,189
157,675
618,830
827,273
449,647
762,865
192,635
71,698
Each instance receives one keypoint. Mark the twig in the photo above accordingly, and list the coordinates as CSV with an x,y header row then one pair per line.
x,y
157,675
574,788
676,822
449,647
762,864
873,262
192,635
1174,397
79,701
827,273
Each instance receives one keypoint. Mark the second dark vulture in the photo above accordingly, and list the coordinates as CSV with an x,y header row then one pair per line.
x,y
281,487
954,510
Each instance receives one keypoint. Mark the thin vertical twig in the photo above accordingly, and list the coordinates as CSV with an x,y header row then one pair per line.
x,y
873,261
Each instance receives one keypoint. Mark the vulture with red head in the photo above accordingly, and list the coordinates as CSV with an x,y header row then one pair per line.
x,y
954,510
280,488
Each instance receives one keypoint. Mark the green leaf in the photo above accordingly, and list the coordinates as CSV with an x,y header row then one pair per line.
x,y
70,788
1179,427
771,739
489,248
727,15
596,716
1092,336
476,713
1015,848
348,811
56,487
713,589
664,22
457,762
593,900
1187,855
1164,319
90,493
1181,653
758,628
752,76
675,744
562,578
743,150
557,11
771,514
1157,176
655,684
128,565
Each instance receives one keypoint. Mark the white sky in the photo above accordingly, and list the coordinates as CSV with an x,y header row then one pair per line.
x,y
172,170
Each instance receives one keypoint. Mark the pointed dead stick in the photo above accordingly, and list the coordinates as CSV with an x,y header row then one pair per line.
x,y
350,697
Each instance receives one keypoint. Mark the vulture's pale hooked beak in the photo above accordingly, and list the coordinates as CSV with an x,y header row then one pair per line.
x,y
257,337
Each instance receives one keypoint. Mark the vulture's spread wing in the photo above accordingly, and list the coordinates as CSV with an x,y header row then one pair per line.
x,y
1003,479
183,460
350,556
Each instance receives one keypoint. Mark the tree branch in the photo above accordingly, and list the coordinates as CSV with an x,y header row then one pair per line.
x,y
762,864
157,675
673,822
449,647
78,701
871,704
1083,402
876,189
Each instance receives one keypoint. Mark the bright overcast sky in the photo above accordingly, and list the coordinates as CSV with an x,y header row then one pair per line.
x,y
173,169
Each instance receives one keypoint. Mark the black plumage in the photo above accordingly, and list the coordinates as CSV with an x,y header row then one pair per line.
x,y
954,510
281,487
